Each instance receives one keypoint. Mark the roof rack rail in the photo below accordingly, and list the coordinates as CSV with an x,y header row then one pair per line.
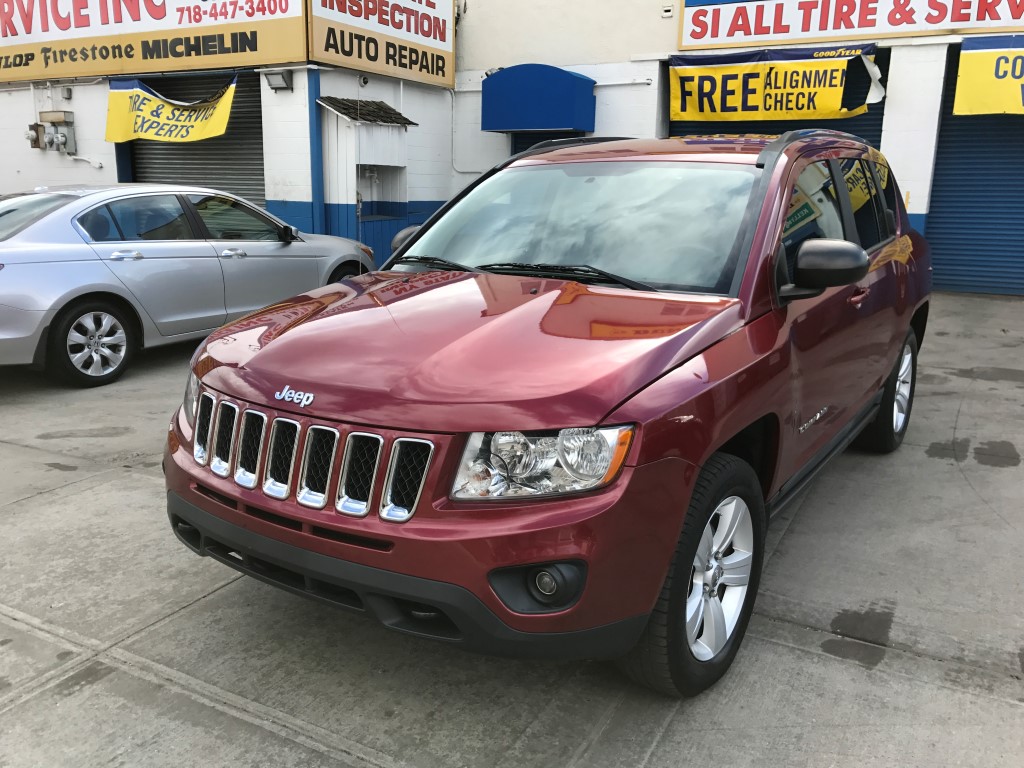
x,y
773,149
551,144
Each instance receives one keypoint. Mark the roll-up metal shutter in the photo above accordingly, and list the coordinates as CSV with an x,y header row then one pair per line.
x,y
868,126
232,162
976,217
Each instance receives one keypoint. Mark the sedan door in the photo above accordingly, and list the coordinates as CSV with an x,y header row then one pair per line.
x,y
149,244
259,267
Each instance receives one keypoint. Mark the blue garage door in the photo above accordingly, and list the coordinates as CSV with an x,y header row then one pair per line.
x,y
868,126
976,216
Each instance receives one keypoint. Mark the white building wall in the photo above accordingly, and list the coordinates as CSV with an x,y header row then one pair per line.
x,y
22,167
286,151
499,33
910,127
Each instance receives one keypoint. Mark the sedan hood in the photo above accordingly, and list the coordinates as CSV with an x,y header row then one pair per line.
x,y
459,352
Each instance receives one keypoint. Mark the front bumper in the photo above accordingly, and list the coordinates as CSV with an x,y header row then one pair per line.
x,y
409,604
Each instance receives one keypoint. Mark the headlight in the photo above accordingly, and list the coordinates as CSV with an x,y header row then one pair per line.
x,y
191,401
513,464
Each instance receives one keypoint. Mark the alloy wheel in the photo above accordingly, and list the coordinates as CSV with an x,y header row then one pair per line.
x,y
904,382
719,578
96,343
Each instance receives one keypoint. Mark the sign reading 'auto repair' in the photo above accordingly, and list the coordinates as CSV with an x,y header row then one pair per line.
x,y
732,23
410,39
49,39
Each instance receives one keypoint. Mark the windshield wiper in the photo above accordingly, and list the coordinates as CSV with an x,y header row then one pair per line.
x,y
569,269
435,261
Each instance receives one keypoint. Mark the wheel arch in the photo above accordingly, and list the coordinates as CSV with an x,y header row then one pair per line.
x,y
758,445
919,322
39,359
344,262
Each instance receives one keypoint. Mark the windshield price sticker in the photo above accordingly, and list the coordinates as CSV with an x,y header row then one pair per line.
x,y
733,23
45,39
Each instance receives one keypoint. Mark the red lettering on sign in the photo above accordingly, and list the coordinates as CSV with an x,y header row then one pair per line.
x,y
988,10
760,28
866,16
961,11
844,14
740,22
823,16
806,8
699,27
938,12
779,26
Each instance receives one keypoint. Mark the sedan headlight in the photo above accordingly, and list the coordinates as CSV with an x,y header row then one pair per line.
x,y
514,464
191,400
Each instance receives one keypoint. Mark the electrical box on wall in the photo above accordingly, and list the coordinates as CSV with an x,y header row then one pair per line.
x,y
58,136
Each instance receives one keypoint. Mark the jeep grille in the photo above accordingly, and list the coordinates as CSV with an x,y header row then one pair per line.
x,y
316,462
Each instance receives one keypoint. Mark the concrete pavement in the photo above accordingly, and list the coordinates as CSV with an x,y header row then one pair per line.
x,y
889,630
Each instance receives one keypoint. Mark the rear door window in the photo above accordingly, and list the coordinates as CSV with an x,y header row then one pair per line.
x,y
865,202
22,210
151,217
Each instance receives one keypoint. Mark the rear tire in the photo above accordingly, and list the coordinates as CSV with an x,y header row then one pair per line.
x,y
91,343
886,432
688,643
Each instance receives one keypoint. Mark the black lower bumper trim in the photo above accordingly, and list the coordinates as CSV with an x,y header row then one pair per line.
x,y
423,607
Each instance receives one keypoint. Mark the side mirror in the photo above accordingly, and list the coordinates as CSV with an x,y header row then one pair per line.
x,y
821,264
403,236
288,233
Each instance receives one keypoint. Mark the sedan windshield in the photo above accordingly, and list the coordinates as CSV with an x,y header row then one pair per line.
x,y
19,211
669,225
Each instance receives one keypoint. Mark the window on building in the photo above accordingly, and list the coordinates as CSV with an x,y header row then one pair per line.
x,y
151,217
229,219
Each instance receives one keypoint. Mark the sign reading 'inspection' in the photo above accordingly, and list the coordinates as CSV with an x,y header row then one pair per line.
x,y
48,39
410,39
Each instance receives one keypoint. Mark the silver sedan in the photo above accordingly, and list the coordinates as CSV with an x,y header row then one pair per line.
x,y
88,275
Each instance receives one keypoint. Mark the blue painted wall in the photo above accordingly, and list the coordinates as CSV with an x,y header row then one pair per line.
x,y
380,221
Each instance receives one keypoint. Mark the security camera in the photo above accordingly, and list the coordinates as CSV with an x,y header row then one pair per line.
x,y
364,80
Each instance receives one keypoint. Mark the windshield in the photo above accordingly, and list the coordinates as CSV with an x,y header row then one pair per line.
x,y
18,211
671,225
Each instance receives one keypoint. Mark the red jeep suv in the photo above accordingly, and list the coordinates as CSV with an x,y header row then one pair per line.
x,y
558,420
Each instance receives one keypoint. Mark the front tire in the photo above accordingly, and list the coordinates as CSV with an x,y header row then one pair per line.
x,y
701,615
886,432
91,344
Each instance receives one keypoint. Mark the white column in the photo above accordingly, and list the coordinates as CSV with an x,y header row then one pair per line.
x,y
910,128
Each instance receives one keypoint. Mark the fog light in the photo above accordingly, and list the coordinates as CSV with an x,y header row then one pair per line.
x,y
546,583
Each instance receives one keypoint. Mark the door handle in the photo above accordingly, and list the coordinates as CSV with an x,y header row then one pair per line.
x,y
125,256
230,253
858,297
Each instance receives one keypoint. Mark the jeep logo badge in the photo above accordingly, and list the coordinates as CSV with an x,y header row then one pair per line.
x,y
289,395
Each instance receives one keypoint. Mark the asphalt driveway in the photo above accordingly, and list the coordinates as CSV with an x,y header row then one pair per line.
x,y
889,630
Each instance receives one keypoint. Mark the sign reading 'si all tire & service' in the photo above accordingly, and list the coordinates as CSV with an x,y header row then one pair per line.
x,y
50,39
410,39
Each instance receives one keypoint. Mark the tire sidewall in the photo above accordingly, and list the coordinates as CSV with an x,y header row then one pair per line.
x,y
889,400
689,674
58,362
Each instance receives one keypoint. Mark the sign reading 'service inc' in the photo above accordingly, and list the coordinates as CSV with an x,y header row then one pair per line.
x,y
410,39
48,39
730,23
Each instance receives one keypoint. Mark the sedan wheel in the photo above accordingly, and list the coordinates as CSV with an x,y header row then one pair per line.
x,y
90,343
96,344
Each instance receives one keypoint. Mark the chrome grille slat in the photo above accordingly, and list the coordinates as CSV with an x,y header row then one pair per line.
x,y
358,473
283,443
204,424
317,462
407,472
250,448
224,438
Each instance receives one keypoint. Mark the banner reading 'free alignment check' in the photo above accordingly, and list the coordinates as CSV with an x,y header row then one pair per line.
x,y
795,84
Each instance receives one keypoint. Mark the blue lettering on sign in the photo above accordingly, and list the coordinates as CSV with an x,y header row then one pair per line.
x,y
1006,68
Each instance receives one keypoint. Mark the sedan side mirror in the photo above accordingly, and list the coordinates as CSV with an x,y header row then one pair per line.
x,y
821,264
288,233
403,236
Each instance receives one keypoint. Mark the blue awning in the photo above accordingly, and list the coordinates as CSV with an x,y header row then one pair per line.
x,y
537,97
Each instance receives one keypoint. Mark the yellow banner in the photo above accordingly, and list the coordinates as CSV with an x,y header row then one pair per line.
x,y
135,111
991,77
771,85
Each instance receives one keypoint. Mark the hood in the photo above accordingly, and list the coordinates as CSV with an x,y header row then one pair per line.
x,y
456,351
